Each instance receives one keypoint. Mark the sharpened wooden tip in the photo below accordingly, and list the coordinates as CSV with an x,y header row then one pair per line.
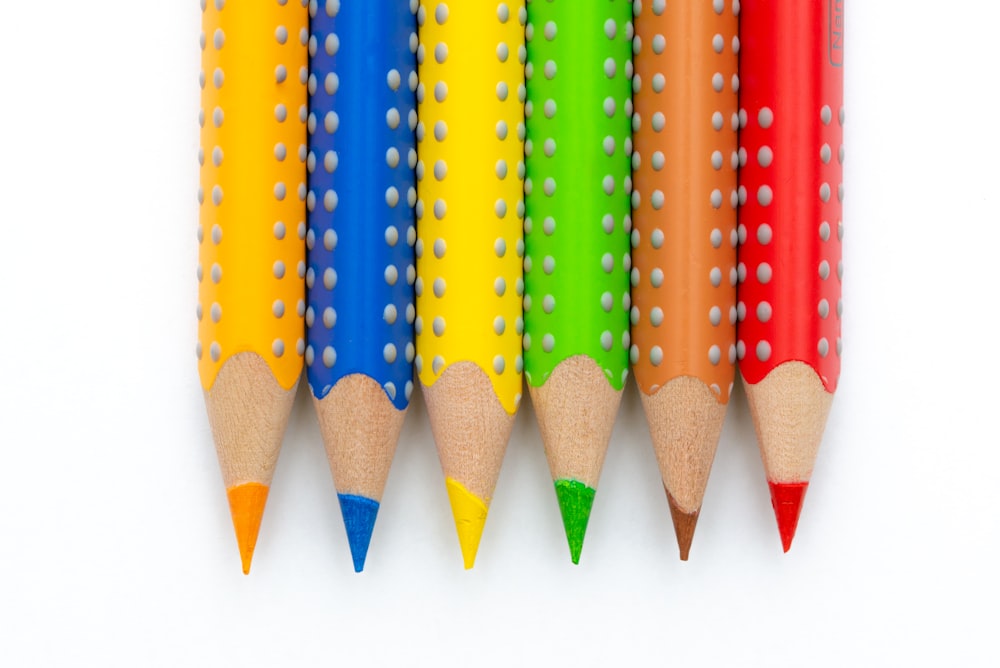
x,y
684,525
246,505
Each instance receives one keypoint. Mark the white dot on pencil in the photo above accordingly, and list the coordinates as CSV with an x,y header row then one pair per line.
x,y
440,130
331,122
329,357
765,156
438,326
281,34
764,195
609,107
332,7
716,199
715,238
500,286
840,308
332,44
550,108
219,38
823,347
741,274
764,234
656,199
656,277
824,192
763,351
718,42
826,114
331,84
279,191
656,355
824,270
764,311
391,274
389,314
741,161
500,247
548,343
765,117
715,277
216,195
824,231
408,352
389,353
329,278
764,272
441,13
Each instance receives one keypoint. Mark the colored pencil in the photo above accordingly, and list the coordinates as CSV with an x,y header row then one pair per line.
x,y
360,245
252,225
577,228
470,176
683,321
789,343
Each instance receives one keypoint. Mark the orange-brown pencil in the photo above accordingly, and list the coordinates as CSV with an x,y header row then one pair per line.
x,y
684,260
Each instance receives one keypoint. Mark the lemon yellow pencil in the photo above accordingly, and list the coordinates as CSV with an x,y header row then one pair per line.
x,y
470,175
251,240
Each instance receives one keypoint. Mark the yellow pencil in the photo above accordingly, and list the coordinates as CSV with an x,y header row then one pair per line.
x,y
252,255
470,175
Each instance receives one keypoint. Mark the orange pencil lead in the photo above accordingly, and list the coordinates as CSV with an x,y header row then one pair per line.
x,y
246,505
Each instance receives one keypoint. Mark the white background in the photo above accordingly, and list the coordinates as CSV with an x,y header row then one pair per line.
x,y
116,547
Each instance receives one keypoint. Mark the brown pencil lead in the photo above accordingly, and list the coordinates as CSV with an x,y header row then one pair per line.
x,y
684,525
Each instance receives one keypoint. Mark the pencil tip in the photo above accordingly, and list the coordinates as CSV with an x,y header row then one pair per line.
x,y
469,512
786,498
359,513
246,505
575,502
684,525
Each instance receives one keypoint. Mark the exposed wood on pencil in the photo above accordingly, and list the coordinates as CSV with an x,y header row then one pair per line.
x,y
360,428
685,420
470,427
576,410
789,408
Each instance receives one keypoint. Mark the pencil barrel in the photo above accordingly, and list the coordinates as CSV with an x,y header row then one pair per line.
x,y
790,267
684,313
578,186
252,187
362,195
470,175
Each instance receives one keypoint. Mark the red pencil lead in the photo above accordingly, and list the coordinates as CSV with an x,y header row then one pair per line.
x,y
786,498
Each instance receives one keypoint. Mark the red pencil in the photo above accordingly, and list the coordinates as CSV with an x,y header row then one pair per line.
x,y
789,309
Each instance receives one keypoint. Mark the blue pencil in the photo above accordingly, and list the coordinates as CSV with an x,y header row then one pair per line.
x,y
360,241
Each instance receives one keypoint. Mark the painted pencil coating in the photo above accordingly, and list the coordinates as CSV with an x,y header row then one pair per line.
x,y
253,145
791,224
470,192
578,185
360,314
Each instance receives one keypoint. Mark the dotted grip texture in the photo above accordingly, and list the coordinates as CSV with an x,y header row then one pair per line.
x,y
470,175
684,292
252,186
791,97
362,195
578,185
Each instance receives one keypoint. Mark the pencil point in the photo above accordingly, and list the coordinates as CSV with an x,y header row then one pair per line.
x,y
359,514
246,505
469,512
575,501
786,498
684,525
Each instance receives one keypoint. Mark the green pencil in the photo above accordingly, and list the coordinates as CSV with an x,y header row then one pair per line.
x,y
577,226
